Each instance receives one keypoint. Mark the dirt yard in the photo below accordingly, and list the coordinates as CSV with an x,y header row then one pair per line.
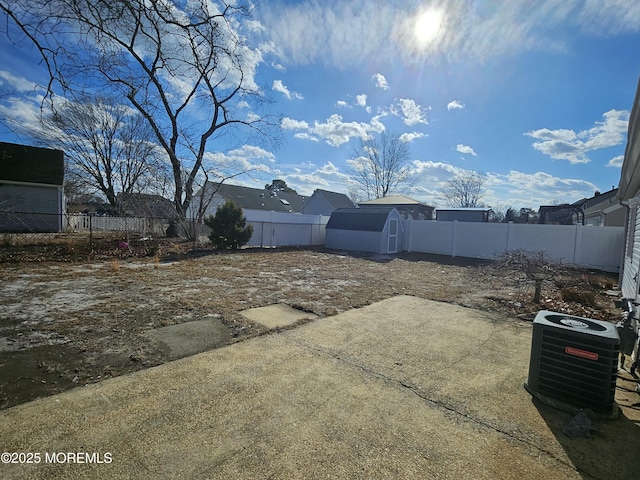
x,y
72,315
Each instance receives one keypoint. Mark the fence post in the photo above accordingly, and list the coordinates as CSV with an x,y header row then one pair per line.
x,y
91,232
454,232
509,231
577,244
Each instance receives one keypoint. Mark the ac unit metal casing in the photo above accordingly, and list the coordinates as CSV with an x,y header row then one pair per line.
x,y
574,361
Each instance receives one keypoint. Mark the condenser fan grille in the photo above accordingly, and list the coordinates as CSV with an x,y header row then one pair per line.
x,y
577,323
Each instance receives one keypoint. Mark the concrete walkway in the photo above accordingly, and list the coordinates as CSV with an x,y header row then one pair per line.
x,y
405,388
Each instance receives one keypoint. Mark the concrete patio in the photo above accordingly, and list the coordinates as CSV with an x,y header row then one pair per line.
x,y
404,388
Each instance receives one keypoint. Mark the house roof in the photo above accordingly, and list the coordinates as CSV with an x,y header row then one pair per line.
x,y
470,209
336,200
630,174
361,219
22,163
259,198
144,205
599,198
393,200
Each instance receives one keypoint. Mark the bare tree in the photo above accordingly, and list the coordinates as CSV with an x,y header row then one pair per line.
x,y
183,65
464,190
532,265
379,167
108,147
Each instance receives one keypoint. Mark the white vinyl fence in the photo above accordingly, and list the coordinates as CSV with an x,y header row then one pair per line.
x,y
277,229
143,226
586,246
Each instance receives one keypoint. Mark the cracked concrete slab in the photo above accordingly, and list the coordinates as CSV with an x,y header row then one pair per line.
x,y
403,388
278,315
190,338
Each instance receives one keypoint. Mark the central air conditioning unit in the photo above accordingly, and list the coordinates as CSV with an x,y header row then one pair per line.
x,y
574,362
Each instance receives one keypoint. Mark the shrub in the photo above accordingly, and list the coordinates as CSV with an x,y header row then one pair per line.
x,y
581,296
229,230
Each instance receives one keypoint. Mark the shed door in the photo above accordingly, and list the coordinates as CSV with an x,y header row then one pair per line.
x,y
393,236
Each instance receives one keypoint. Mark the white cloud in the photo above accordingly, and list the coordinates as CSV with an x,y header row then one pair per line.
x,y
412,113
278,86
408,137
18,83
334,131
380,81
291,124
361,100
328,177
454,105
244,152
341,104
564,144
616,161
466,149
306,136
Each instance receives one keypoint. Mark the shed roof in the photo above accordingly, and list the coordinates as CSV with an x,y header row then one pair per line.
x,y
22,163
361,219
465,209
392,200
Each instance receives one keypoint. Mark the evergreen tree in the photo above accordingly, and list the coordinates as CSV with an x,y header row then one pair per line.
x,y
229,230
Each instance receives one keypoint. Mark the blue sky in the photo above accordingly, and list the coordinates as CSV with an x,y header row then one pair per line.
x,y
535,94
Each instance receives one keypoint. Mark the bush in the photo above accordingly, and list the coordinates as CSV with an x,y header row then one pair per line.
x,y
581,296
229,230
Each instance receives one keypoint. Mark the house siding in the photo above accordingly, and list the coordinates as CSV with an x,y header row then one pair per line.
x,y
632,254
317,205
616,218
38,208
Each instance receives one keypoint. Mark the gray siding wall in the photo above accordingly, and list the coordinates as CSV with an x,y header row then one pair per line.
x,y
632,256
317,205
351,240
37,208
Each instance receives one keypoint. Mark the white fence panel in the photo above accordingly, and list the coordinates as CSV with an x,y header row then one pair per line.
x,y
278,229
143,226
557,241
589,246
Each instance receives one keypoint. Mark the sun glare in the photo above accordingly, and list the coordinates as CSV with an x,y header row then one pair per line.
x,y
427,27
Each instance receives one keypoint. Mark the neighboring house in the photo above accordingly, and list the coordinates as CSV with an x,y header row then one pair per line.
x,y
145,206
407,207
563,214
250,198
604,209
31,189
323,202
462,214
629,196
377,230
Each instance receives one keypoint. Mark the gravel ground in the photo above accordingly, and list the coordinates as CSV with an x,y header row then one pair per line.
x,y
70,317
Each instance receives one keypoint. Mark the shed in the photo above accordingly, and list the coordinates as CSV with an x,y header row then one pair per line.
x,y
377,230
463,214
31,189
